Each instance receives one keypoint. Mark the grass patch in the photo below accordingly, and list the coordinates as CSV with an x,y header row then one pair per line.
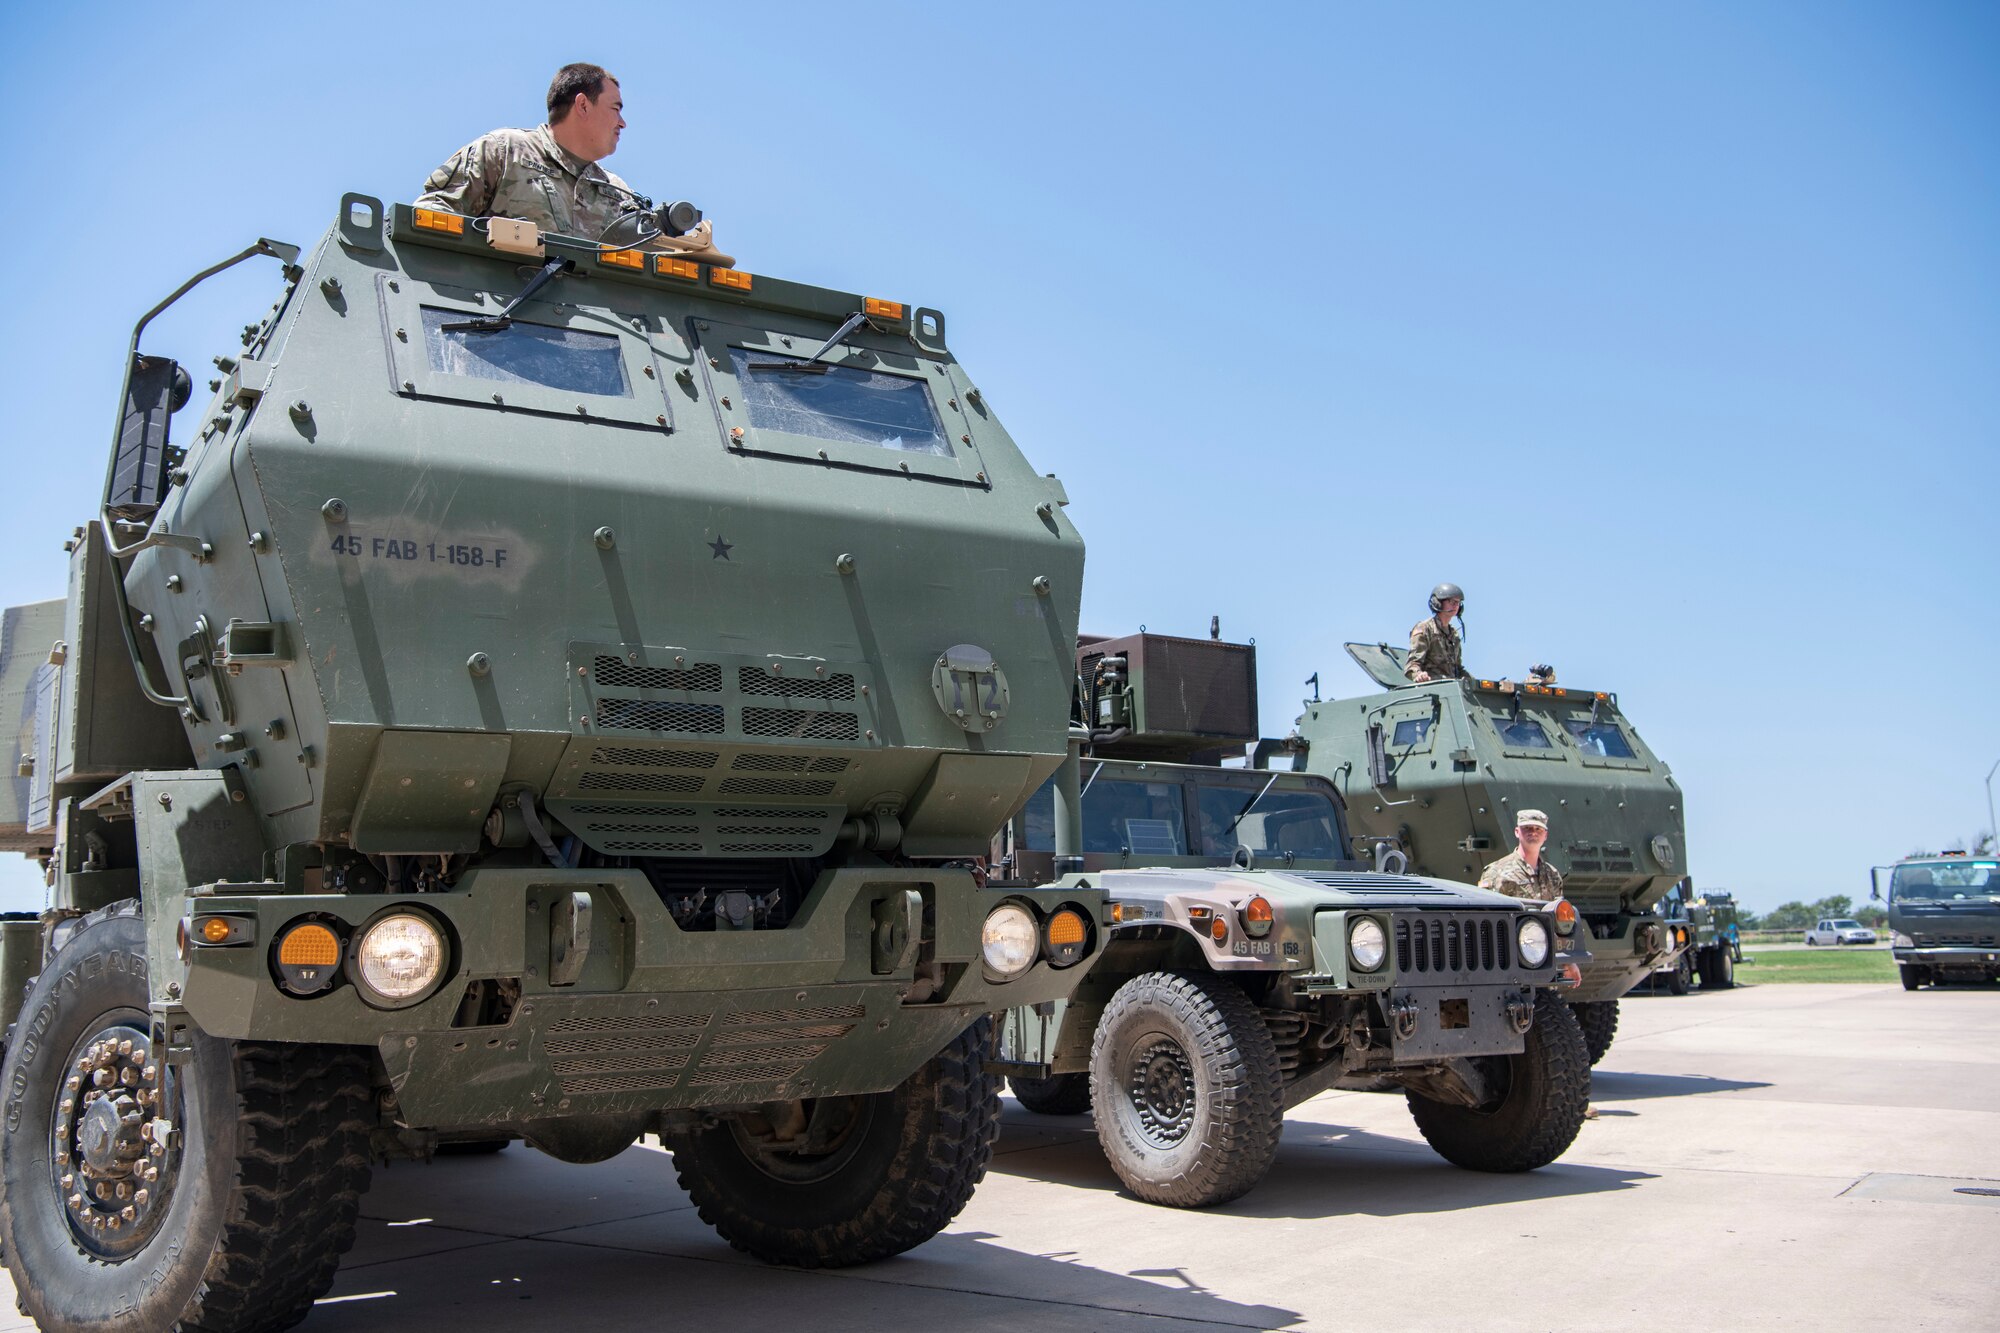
x,y
1818,965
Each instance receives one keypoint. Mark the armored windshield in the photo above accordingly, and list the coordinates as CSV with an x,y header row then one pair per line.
x,y
519,353
1604,739
1945,880
1523,732
844,404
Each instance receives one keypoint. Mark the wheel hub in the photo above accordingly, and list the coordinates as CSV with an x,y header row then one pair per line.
x,y
114,1152
1161,1087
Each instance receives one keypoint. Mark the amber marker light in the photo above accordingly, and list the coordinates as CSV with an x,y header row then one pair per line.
x,y
669,267
733,278
215,930
1065,937
1565,917
1258,916
882,309
1218,929
432,219
308,958
622,258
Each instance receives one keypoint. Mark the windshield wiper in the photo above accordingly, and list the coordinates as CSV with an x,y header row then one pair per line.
x,y
812,365
1252,806
505,319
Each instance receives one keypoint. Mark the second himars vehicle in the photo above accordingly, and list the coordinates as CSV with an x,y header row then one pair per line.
x,y
551,692
1255,961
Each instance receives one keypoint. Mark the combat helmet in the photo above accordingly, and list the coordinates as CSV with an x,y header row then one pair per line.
x,y
1444,590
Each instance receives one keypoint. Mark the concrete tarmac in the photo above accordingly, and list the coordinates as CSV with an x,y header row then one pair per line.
x,y
1777,1156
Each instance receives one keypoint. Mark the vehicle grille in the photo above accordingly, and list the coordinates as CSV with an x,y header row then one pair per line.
x,y
1962,940
602,1055
1441,943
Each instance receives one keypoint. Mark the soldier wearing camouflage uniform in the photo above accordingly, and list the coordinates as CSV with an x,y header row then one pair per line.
x,y
1436,652
550,175
1522,873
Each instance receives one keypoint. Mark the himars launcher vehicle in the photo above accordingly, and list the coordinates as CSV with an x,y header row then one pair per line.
x,y
551,691
1437,770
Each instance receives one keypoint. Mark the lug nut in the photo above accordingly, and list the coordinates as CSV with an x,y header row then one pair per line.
x,y
143,1197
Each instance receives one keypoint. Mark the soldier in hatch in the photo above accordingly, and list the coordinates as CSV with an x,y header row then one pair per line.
x,y
1435,649
550,175
1523,873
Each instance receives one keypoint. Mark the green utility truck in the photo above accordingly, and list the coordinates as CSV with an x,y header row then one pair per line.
x,y
1435,772
1255,962
548,691
1707,946
1944,917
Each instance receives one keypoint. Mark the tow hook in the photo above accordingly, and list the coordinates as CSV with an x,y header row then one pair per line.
x,y
1521,1011
1403,1013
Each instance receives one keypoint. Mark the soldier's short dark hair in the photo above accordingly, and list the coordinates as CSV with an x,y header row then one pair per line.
x,y
571,80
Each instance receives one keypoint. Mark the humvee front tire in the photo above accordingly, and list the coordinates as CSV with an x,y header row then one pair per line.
x,y
880,1173
237,1220
1184,1078
1060,1094
1598,1020
1544,1092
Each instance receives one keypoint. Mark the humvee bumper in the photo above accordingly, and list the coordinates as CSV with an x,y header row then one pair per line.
x,y
650,1017
1444,1022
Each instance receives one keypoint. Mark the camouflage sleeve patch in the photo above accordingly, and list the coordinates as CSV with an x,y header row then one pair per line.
x,y
465,183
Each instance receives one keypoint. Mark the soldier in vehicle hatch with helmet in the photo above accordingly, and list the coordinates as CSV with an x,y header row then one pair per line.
x,y
1436,650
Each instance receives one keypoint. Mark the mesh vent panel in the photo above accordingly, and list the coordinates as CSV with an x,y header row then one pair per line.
x,y
604,780
636,811
636,758
646,715
774,787
768,763
634,1023
686,848
752,681
618,674
799,724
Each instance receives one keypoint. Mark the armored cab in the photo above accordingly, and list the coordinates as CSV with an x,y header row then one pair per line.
x,y
1437,771
548,691
1256,960
1944,917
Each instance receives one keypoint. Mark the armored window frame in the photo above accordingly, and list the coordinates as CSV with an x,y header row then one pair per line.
x,y
648,359
1634,762
1501,721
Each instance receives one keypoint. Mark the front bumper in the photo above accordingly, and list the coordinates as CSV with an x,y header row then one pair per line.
x,y
1641,946
1950,958
655,1018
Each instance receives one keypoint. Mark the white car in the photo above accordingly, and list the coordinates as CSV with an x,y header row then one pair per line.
x,y
1840,930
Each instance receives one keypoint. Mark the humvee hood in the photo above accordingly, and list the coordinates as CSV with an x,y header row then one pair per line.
x,y
1296,888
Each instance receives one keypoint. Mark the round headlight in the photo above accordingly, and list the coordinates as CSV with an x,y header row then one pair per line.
x,y
400,957
1367,944
1533,938
1009,940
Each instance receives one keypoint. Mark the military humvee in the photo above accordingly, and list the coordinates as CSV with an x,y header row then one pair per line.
x,y
1944,917
1436,771
553,691
1255,962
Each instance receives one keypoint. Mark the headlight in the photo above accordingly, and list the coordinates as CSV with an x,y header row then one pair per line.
x,y
399,958
1366,944
1902,941
1009,940
1533,938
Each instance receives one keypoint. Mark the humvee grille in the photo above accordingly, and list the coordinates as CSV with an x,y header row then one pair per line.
x,y
1436,943
752,681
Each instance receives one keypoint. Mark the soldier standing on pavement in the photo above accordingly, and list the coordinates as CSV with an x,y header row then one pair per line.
x,y
1523,873
550,175
1436,651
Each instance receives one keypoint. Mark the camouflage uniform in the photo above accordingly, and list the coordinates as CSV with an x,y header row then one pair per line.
x,y
1434,647
1510,875
527,174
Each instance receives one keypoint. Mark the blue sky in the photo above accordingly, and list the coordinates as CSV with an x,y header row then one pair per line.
x,y
1668,332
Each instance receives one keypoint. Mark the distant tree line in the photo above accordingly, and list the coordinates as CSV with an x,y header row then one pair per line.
x,y
1800,916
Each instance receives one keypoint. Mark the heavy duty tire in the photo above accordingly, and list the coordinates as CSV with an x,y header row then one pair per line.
x,y
1681,980
1598,1021
1185,1081
894,1167
1913,977
1547,1090
1064,1094
238,1221
1718,969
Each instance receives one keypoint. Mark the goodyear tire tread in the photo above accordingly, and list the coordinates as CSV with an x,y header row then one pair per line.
x,y
1239,1097
936,1131
1599,1021
1537,1119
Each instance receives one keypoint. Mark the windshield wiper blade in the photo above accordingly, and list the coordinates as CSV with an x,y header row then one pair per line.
x,y
812,365
505,319
1253,804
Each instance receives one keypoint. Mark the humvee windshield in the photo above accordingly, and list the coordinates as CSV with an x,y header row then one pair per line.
x,y
1121,815
1603,739
527,354
1946,879
845,404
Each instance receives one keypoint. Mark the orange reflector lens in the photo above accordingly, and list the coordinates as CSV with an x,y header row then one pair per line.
x,y
1219,931
1117,913
1565,916
309,945
734,278
882,309
431,219
669,267
1066,928
215,930
621,258
1257,909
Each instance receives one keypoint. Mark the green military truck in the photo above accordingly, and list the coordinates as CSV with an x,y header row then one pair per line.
x,y
1255,962
1707,946
1944,917
1436,771
550,691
